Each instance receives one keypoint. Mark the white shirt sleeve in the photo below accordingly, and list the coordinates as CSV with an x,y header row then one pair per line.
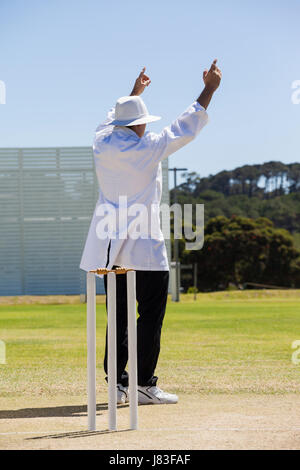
x,y
109,118
182,131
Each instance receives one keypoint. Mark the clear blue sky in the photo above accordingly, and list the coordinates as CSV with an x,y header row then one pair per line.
x,y
65,63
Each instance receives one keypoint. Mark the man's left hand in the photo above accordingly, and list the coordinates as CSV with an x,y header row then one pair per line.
x,y
140,84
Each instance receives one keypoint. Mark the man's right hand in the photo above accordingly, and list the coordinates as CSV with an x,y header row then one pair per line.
x,y
212,77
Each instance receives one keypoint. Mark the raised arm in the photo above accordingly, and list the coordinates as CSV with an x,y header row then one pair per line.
x,y
188,125
139,86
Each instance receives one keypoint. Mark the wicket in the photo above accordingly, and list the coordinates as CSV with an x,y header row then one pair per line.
x,y
112,346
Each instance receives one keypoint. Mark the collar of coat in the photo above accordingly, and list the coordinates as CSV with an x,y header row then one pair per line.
x,y
126,130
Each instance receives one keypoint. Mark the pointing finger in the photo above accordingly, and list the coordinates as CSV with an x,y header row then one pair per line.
x,y
213,65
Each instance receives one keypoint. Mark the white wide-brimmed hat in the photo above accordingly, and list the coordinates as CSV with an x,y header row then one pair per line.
x,y
130,111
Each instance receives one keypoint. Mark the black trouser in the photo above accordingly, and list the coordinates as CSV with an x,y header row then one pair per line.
x,y
151,294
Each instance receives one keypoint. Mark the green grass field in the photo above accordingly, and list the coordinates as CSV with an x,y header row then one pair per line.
x,y
224,343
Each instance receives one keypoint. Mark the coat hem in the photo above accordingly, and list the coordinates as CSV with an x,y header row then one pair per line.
x,y
139,268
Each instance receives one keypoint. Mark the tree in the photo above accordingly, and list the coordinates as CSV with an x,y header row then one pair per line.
x,y
240,250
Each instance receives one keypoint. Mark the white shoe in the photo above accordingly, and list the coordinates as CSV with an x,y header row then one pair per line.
x,y
122,394
155,396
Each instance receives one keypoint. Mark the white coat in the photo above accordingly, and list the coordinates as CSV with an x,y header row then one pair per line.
x,y
129,166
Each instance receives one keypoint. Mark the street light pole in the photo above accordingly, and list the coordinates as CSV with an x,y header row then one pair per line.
x,y
176,246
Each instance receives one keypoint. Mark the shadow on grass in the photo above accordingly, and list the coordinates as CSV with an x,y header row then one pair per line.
x,y
73,435
57,411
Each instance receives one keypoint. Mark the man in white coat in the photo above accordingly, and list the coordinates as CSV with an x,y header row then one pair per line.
x,y
125,228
